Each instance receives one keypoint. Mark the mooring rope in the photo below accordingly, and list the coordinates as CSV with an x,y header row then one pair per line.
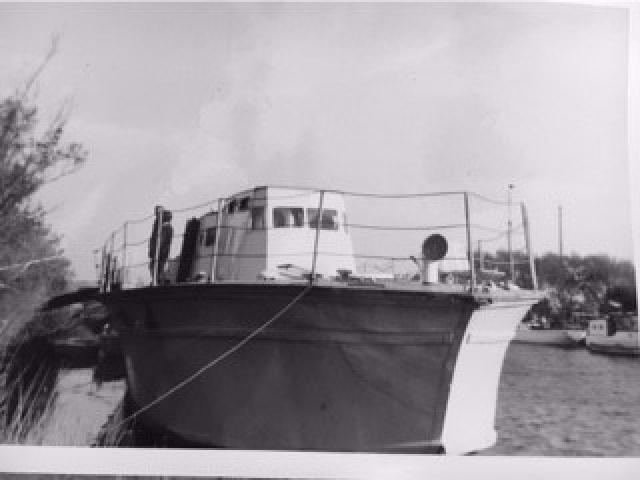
x,y
213,362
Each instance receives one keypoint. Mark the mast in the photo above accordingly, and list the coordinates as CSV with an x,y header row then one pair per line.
x,y
527,239
509,232
560,251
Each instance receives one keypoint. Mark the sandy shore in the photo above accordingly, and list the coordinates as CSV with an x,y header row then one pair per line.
x,y
80,409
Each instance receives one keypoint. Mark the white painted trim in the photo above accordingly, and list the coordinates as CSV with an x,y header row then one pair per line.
x,y
470,414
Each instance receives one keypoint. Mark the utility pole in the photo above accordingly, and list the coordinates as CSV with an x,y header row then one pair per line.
x,y
509,232
560,231
527,239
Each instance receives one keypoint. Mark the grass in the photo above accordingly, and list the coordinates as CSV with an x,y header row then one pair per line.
x,y
29,373
81,409
42,403
71,413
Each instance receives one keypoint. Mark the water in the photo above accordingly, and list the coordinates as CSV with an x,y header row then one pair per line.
x,y
568,402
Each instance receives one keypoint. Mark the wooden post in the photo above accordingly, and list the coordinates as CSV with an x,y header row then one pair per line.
x,y
527,239
472,267
315,243
154,275
216,247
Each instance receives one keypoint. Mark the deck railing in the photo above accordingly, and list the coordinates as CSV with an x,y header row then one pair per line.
x,y
386,230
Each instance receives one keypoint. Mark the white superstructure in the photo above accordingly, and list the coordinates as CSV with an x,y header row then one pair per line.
x,y
270,232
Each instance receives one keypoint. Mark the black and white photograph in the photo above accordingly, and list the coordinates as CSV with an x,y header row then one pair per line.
x,y
314,233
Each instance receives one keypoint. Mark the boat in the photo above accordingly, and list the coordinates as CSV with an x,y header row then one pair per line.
x,y
264,335
568,333
578,337
77,346
76,352
527,333
615,333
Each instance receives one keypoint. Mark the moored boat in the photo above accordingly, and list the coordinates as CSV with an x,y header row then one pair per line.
x,y
568,333
76,352
615,333
577,336
264,335
545,336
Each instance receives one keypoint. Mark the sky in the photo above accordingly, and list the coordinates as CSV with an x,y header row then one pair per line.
x,y
182,103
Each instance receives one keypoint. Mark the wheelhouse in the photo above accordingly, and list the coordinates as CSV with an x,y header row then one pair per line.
x,y
271,232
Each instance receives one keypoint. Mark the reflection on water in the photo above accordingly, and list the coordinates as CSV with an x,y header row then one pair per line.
x,y
568,402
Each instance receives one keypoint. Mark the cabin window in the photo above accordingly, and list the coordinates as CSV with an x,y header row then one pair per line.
x,y
329,219
210,236
288,217
257,218
231,208
243,206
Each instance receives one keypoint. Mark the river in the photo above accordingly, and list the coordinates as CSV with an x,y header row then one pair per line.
x,y
567,402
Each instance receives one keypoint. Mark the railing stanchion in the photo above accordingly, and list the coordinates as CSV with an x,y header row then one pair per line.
x,y
315,243
102,277
216,247
112,262
527,239
154,274
124,254
472,267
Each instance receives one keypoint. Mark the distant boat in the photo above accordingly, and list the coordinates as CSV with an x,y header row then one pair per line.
x,y
617,333
354,362
577,336
568,333
562,337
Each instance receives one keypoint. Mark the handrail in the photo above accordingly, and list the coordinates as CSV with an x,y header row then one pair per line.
x,y
123,254
317,238
315,190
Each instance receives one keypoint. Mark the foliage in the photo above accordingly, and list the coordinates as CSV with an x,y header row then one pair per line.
x,y
32,265
587,283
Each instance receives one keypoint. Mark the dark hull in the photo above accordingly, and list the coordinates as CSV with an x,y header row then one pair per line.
x,y
547,337
346,369
614,349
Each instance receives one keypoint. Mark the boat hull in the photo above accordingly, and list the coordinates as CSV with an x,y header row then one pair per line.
x,y
552,337
345,369
621,343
